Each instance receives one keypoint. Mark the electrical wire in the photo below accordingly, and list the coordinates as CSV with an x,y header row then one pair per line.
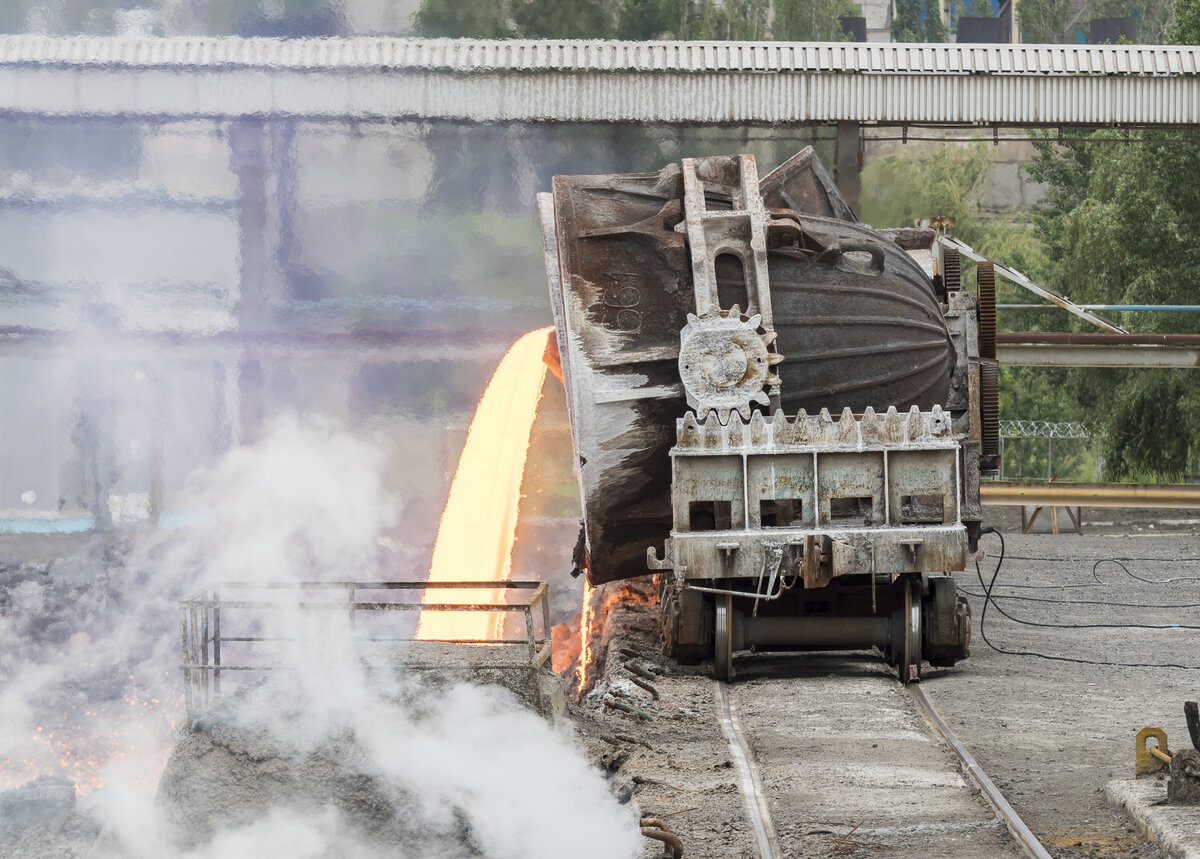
x,y
1132,575
1095,577
1066,560
988,600
1020,598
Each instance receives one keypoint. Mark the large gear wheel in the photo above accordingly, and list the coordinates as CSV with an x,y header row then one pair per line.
x,y
725,361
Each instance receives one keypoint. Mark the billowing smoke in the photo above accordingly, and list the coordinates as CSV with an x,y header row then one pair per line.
x,y
89,656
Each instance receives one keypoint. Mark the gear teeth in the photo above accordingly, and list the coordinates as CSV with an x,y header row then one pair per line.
x,y
952,275
774,358
772,380
755,321
735,312
989,409
985,278
770,337
761,398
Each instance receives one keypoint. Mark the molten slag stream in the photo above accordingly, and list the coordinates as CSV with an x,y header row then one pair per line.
x,y
478,527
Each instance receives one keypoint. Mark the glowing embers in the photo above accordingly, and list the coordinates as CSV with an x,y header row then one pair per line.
x,y
478,527
82,741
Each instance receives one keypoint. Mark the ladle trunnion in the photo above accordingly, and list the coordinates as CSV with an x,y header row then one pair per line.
x,y
710,328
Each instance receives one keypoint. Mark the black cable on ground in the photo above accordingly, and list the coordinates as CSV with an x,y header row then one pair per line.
x,y
1096,576
1079,602
1050,657
1118,561
1064,560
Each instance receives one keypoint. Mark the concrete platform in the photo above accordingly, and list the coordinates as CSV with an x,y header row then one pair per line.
x,y
1174,828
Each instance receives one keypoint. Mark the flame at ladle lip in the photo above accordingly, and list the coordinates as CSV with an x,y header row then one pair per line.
x,y
478,525
586,619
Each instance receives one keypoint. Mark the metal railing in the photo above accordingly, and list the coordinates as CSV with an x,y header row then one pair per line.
x,y
206,644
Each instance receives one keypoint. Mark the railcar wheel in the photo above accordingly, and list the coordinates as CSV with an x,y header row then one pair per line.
x,y
909,665
723,651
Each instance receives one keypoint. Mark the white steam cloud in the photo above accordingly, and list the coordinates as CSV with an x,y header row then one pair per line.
x,y
95,644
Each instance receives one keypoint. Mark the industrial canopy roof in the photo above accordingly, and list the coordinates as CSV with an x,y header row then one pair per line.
x,y
583,81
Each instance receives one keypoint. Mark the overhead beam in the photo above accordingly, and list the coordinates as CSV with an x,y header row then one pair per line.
x,y
1066,355
1181,496
681,83
1088,349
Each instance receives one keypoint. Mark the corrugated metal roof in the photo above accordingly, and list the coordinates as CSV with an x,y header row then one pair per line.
x,y
696,83
465,55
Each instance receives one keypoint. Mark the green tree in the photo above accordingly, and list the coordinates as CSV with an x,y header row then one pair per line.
x,y
559,19
810,20
1122,223
918,21
1152,16
649,19
1185,26
943,181
479,19
1133,237
1043,21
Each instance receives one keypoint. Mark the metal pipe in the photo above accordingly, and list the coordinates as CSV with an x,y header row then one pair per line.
x,y
1145,495
1137,307
654,828
1085,355
1090,338
757,595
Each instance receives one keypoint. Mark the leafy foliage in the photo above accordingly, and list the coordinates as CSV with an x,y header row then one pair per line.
x,y
918,21
649,19
934,182
555,19
1152,16
1123,225
1122,222
1043,21
810,20
479,19
801,20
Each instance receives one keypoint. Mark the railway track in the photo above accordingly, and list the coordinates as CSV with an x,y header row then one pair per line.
x,y
846,761
1016,826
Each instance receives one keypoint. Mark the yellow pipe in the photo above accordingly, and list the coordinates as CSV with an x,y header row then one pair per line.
x,y
1159,753
1166,495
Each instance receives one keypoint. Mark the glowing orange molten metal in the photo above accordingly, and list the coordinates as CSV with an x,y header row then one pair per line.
x,y
475,538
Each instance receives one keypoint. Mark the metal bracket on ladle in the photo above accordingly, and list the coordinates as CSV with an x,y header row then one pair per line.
x,y
727,355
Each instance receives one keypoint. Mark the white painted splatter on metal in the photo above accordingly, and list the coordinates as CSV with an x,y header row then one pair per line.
x,y
580,81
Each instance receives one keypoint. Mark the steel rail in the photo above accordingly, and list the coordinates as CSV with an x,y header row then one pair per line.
x,y
1144,495
1020,832
752,792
